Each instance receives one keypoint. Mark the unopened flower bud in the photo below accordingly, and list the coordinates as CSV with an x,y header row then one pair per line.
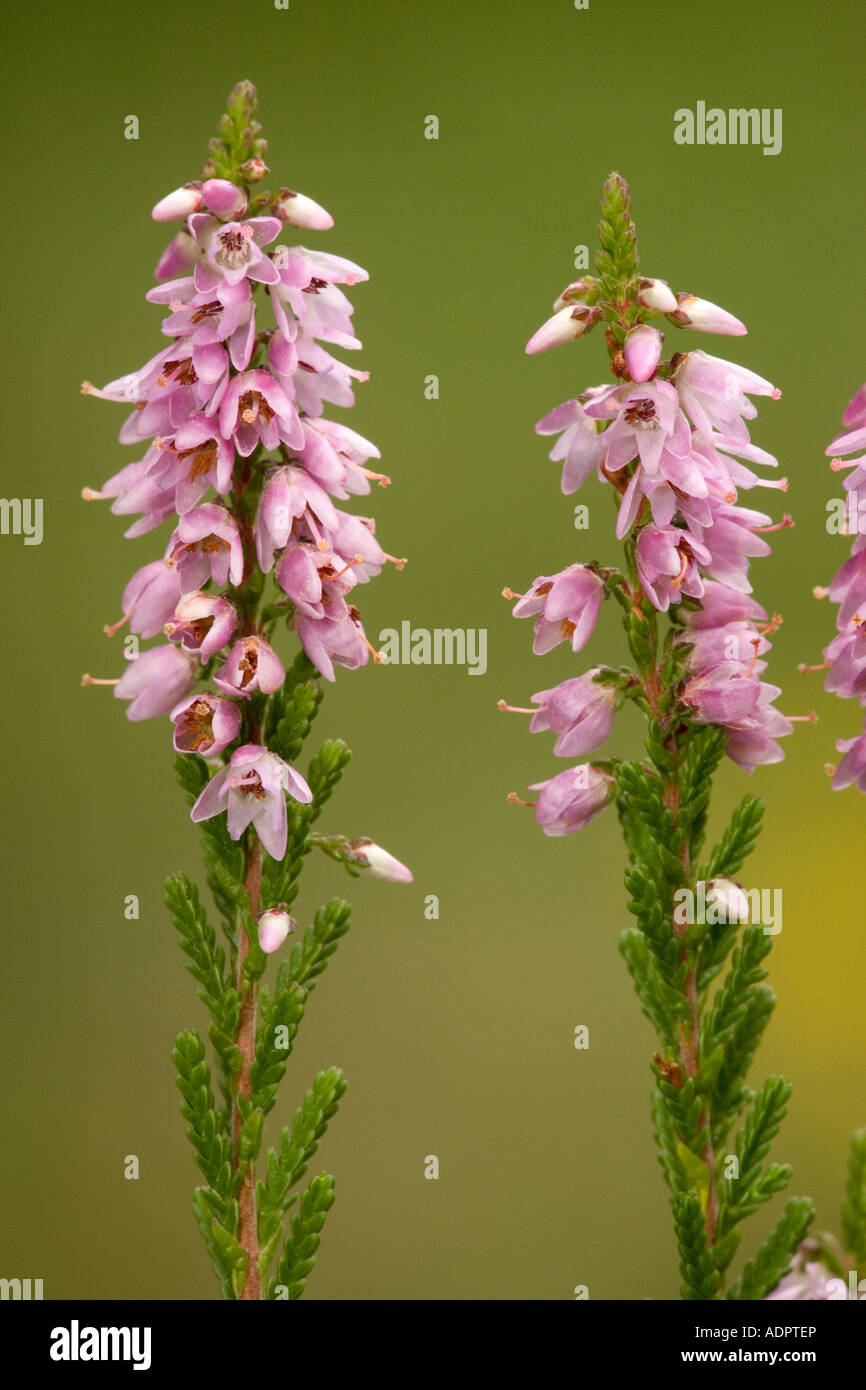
x,y
709,318
300,211
567,324
254,169
224,198
729,898
274,926
575,292
380,863
176,206
657,295
643,348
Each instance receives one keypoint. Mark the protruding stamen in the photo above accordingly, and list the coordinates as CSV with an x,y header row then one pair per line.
x,y
509,593
779,526
767,629
111,628
820,592
517,801
802,718
91,494
94,680
516,709
807,670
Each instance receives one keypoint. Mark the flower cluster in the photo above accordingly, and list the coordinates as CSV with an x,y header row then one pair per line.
x,y
671,439
236,454
845,657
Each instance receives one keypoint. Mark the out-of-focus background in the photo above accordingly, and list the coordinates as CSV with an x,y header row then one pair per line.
x,y
457,1033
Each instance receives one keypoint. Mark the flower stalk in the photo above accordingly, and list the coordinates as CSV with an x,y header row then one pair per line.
x,y
669,439
241,462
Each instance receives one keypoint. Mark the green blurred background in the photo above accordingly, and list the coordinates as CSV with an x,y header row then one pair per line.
x,y
456,1034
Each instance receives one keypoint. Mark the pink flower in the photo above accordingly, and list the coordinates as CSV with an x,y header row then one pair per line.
x,y
252,664
202,623
571,799
150,598
205,724
289,495
852,768
333,640
567,606
580,446
579,710
207,545
714,393
155,681
256,409
668,562
252,790
204,459
646,420
722,695
232,250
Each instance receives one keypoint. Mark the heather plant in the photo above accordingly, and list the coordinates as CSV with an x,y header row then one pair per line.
x,y
669,442
236,456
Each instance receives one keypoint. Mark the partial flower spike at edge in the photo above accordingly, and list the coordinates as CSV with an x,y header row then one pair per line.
x,y
669,441
234,452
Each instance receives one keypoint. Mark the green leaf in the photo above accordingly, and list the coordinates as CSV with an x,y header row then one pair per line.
x,y
700,1277
299,1251
854,1204
773,1261
744,1194
737,842
311,955
209,1128
662,1005
279,1020
312,1118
